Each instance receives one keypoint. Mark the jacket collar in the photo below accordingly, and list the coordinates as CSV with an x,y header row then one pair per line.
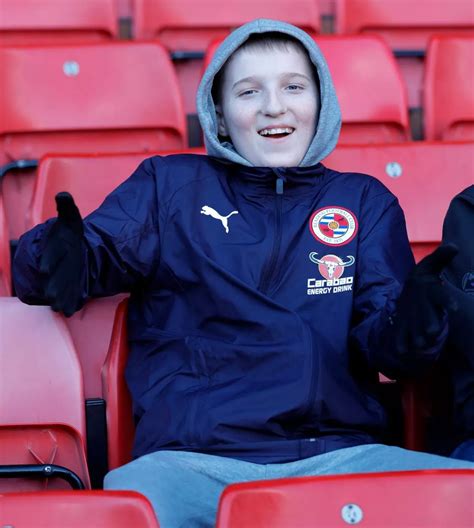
x,y
293,180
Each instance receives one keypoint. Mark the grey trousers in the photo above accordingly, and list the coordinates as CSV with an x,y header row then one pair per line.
x,y
184,487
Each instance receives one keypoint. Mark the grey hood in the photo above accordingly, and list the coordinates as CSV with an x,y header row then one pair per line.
x,y
329,122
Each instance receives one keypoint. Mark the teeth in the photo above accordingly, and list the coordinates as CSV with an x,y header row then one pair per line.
x,y
274,131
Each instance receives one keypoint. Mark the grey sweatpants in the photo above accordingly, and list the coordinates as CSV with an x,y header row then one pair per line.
x,y
184,487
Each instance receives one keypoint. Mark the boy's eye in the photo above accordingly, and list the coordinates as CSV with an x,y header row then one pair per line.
x,y
294,87
247,92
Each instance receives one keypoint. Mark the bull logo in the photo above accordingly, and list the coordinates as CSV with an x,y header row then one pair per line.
x,y
331,266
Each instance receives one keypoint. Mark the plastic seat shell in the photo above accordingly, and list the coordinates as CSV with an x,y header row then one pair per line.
x,y
448,89
41,390
425,499
78,509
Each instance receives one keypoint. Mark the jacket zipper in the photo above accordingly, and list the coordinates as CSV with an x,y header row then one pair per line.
x,y
269,272
311,411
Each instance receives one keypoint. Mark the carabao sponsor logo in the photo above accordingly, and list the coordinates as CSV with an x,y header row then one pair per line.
x,y
331,267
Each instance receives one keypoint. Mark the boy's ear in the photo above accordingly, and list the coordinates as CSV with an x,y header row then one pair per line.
x,y
221,128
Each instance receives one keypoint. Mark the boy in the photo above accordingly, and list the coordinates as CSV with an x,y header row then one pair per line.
x,y
263,286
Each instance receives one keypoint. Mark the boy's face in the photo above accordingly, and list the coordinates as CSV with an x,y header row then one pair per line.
x,y
269,105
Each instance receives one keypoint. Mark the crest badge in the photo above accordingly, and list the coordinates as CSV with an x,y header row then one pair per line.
x,y
333,226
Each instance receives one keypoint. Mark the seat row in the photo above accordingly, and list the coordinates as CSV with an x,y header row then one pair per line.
x,y
186,28
43,429
379,499
140,79
405,26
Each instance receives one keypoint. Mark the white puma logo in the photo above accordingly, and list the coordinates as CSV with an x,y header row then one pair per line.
x,y
206,210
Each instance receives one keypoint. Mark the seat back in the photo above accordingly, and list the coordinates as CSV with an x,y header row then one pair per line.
x,y
407,28
60,21
358,62
120,426
120,97
41,392
448,88
404,25
61,509
182,25
187,28
5,273
424,176
125,88
377,499
88,177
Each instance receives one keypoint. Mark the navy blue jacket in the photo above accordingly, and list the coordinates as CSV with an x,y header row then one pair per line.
x,y
260,301
459,278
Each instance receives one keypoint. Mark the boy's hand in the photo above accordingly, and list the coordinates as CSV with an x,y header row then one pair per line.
x,y
423,303
62,260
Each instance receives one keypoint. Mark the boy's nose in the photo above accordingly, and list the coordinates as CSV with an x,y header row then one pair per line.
x,y
274,104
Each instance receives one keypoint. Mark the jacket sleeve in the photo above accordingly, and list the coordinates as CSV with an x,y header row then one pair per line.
x,y
122,243
384,262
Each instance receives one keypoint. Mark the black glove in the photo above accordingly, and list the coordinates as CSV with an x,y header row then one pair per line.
x,y
62,261
423,303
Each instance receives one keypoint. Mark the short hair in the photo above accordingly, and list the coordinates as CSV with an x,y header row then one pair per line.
x,y
270,40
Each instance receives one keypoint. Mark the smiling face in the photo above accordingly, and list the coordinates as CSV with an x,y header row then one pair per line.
x,y
269,104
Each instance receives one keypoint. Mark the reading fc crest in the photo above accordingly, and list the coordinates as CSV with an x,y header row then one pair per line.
x,y
333,226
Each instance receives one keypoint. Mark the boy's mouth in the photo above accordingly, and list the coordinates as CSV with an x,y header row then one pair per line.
x,y
276,132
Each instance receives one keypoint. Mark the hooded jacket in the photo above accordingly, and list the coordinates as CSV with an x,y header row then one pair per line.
x,y
459,278
260,297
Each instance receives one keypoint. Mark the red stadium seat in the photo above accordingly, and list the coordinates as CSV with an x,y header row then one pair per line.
x,y
67,509
91,330
88,177
57,21
425,176
182,25
91,327
120,97
120,426
360,64
5,274
187,28
407,27
42,418
425,499
449,89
